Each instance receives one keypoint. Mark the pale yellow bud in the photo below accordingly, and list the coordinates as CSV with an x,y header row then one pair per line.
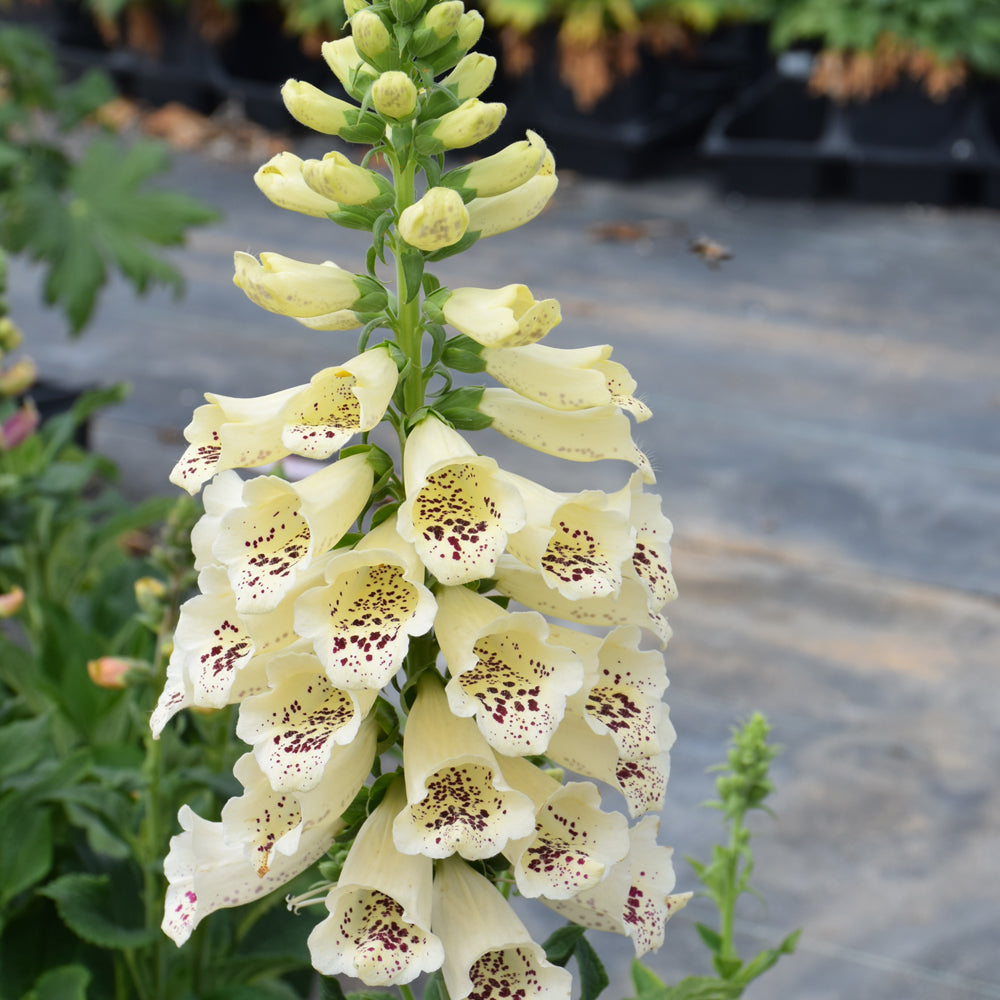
x,y
351,7
10,334
337,178
490,216
343,58
281,181
468,124
371,37
394,95
149,593
513,166
18,378
438,220
316,109
109,671
470,28
11,602
473,74
444,18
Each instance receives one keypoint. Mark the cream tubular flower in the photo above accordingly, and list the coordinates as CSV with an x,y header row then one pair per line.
x,y
281,527
574,379
591,435
310,293
360,623
577,542
504,671
575,843
635,899
294,726
221,495
379,927
316,109
513,166
458,801
503,212
458,512
436,221
313,420
264,824
628,606
337,178
282,183
650,561
489,954
206,874
501,317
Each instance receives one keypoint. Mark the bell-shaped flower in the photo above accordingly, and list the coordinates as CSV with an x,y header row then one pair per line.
x,y
473,74
361,621
573,379
337,178
635,898
394,94
268,541
379,927
501,317
281,181
591,435
575,843
650,561
221,495
504,671
294,726
313,294
263,823
513,166
628,606
343,58
457,798
436,221
207,867
313,420
490,216
577,542
471,122
489,954
458,512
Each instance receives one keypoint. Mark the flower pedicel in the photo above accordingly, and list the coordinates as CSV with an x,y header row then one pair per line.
x,y
359,617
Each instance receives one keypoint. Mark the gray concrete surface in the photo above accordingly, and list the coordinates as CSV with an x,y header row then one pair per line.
x,y
826,430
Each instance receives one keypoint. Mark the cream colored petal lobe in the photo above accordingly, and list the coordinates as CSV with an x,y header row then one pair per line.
x,y
557,378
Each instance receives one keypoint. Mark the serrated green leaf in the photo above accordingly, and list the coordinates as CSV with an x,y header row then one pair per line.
x,y
68,982
593,976
560,944
87,906
22,744
26,857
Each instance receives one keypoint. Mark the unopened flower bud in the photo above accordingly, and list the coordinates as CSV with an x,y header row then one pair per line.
x,y
149,593
109,671
343,58
394,94
10,334
351,7
471,76
444,18
337,178
371,36
438,220
18,378
470,29
11,602
316,109
467,124
19,426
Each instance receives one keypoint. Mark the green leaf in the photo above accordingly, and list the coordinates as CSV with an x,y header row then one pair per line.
x,y
469,420
712,939
593,975
68,982
768,958
699,988
26,857
330,989
727,967
413,273
23,744
644,979
462,245
87,905
383,513
561,943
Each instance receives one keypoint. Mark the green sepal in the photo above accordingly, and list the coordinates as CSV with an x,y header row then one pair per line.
x,y
379,230
373,303
356,217
468,420
463,244
426,41
378,459
413,273
432,168
440,102
425,142
448,57
406,10
402,32
368,131
460,360
468,397
383,513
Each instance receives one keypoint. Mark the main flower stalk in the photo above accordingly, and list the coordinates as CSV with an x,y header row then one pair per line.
x,y
359,616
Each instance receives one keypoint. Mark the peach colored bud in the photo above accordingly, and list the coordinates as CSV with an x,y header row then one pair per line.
x,y
19,426
109,671
11,602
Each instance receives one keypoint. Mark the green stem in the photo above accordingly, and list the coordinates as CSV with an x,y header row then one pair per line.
x,y
727,907
405,992
408,326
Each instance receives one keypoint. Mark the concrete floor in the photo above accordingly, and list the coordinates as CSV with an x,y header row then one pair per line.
x,y
826,431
